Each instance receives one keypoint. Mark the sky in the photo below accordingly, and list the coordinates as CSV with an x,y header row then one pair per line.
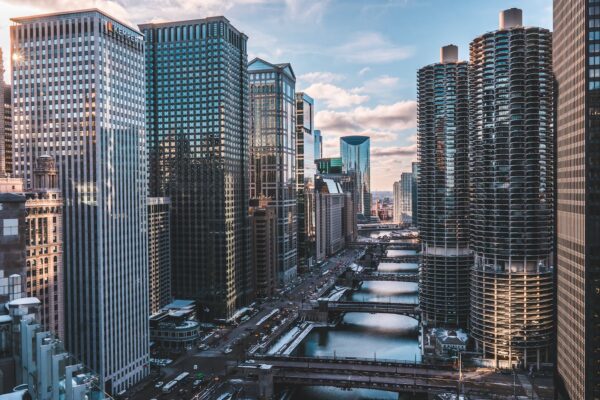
x,y
357,58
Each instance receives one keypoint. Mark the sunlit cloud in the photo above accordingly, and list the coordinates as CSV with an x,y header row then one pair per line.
x,y
372,47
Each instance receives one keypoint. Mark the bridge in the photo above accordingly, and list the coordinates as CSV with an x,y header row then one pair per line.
x,y
412,259
382,276
339,307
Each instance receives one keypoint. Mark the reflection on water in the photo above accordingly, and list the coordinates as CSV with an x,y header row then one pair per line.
x,y
383,291
377,336
331,393
396,253
396,267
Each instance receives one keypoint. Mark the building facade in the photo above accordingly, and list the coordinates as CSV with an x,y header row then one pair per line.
x,y
318,144
96,134
159,252
443,198
397,202
406,197
512,186
273,154
5,124
198,149
576,52
264,247
330,201
44,245
305,177
355,153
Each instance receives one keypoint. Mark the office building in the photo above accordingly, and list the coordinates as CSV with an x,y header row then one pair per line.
x,y
332,165
264,246
318,144
93,81
443,198
198,132
330,201
415,194
5,125
159,252
44,245
273,154
397,202
355,153
406,197
576,53
512,185
305,176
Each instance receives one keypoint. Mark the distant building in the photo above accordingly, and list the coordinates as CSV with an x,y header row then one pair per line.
x,y
405,198
273,153
318,144
331,165
415,194
13,239
159,252
263,217
330,201
355,153
305,176
397,202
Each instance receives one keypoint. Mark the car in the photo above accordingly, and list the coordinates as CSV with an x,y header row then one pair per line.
x,y
227,350
159,384
197,382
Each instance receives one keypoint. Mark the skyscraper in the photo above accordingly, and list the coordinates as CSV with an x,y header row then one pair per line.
x,y
318,144
443,198
197,116
406,197
330,201
264,246
273,153
5,124
305,177
159,252
576,45
90,69
512,186
397,202
356,153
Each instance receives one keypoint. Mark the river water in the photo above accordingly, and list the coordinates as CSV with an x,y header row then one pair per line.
x,y
375,336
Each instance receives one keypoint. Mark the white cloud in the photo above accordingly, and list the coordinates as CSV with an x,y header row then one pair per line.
x,y
380,85
363,71
372,47
398,116
306,10
320,77
334,96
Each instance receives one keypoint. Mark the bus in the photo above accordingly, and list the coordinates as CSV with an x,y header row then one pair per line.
x,y
182,376
167,388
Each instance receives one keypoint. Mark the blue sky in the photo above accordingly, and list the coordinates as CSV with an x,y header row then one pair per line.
x,y
357,58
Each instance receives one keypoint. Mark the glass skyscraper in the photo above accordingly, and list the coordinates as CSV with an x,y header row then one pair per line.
x,y
356,152
197,116
443,199
273,153
576,45
512,185
305,176
78,80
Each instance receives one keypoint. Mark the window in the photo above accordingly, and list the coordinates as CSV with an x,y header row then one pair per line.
x,y
11,227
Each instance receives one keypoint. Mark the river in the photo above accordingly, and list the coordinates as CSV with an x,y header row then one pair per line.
x,y
375,336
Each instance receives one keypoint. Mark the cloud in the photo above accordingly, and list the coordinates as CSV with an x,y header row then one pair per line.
x,y
363,71
398,116
334,96
306,10
380,85
372,47
394,151
321,77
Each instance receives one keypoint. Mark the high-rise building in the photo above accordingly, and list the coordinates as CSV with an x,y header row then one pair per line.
x,y
264,246
512,188
305,177
273,153
415,194
331,165
318,144
44,245
330,201
355,153
576,52
198,130
397,202
406,197
93,81
443,199
5,124
159,252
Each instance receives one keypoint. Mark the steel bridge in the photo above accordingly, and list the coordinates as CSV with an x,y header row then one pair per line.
x,y
339,307
391,276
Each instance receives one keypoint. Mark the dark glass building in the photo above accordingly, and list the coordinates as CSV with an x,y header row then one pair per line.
x,y
273,153
198,137
305,177
159,252
329,165
443,198
355,152
576,45
512,186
